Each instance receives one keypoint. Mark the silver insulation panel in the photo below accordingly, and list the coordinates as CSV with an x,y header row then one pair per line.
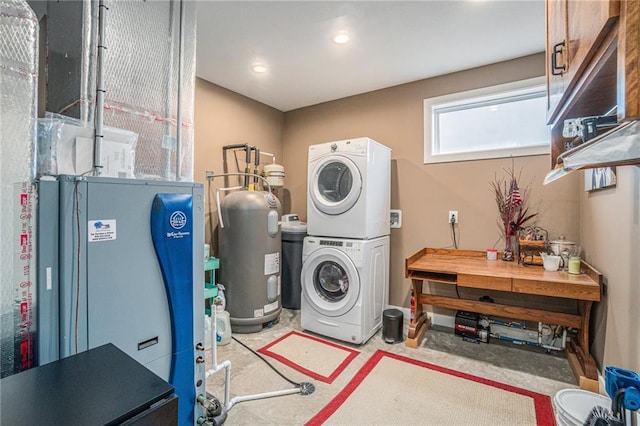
x,y
141,81
18,110
141,70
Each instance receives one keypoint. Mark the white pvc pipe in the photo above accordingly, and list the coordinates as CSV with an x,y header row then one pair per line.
x,y
268,154
218,201
214,355
243,174
272,394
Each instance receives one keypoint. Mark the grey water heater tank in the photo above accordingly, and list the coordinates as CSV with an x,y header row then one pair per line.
x,y
249,252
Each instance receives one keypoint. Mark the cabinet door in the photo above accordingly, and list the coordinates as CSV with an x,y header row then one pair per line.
x,y
557,58
575,30
588,24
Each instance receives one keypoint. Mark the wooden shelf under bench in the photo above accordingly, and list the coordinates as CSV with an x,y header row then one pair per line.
x,y
470,268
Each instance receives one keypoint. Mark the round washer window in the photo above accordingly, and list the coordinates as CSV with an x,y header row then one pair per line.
x,y
331,281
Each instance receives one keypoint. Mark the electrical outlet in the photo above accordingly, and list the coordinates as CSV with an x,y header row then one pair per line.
x,y
453,216
396,218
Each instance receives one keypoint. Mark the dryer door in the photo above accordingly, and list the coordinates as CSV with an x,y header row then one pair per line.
x,y
330,282
335,184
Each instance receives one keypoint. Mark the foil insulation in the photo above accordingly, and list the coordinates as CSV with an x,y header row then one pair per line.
x,y
141,75
18,110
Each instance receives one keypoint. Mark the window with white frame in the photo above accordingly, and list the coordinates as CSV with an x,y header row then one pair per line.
x,y
508,120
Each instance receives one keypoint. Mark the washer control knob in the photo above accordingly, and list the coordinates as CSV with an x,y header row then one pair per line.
x,y
334,147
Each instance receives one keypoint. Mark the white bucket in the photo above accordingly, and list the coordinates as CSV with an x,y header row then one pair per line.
x,y
572,406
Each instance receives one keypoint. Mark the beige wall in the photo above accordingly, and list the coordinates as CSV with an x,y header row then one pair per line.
x,y
223,118
610,237
605,223
425,193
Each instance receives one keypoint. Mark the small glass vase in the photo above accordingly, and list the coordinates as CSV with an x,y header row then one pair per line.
x,y
508,254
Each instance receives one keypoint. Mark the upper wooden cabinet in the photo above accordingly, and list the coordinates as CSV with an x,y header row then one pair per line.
x,y
575,30
593,64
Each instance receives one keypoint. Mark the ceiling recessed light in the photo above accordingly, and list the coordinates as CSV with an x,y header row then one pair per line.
x,y
259,69
341,38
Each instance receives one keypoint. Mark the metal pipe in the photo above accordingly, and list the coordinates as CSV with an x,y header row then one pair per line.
x,y
100,91
166,145
247,178
256,163
87,114
235,146
179,112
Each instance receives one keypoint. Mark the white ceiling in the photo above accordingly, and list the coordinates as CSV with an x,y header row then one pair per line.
x,y
392,42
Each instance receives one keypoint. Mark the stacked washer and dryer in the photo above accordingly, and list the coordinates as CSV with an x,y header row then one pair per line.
x,y
345,258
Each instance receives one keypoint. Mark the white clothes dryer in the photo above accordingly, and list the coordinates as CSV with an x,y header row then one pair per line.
x,y
345,287
349,191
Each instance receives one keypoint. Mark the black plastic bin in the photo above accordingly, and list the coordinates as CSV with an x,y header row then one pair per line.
x,y
293,233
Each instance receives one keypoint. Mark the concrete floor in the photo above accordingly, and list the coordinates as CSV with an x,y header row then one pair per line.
x,y
533,370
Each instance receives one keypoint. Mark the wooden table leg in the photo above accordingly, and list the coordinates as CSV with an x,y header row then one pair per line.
x,y
582,363
418,326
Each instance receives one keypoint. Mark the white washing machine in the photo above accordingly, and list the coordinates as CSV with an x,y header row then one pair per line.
x,y
345,287
349,189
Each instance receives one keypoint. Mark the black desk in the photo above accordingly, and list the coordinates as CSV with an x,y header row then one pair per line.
x,y
103,386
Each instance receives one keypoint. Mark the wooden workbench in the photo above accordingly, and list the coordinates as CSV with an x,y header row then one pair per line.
x,y
467,268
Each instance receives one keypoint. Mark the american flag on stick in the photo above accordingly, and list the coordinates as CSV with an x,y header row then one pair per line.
x,y
514,198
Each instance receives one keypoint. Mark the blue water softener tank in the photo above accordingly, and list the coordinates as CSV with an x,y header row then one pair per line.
x,y
250,259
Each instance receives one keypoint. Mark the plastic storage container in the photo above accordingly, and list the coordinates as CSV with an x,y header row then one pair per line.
x,y
223,328
293,232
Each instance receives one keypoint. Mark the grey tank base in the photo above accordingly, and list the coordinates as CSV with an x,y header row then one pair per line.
x,y
254,325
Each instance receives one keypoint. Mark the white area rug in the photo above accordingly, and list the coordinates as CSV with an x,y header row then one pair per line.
x,y
317,358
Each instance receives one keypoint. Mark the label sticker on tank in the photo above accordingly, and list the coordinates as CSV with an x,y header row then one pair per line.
x,y
258,313
271,263
101,230
279,285
270,307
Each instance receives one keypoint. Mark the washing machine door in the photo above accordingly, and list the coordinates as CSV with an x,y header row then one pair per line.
x,y
335,184
330,282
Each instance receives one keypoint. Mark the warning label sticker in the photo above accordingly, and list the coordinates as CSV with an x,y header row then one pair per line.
x,y
272,263
101,230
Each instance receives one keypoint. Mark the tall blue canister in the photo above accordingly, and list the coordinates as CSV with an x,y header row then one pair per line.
x,y
293,232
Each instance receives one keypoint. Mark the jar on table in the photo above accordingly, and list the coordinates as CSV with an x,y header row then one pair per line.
x,y
574,265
